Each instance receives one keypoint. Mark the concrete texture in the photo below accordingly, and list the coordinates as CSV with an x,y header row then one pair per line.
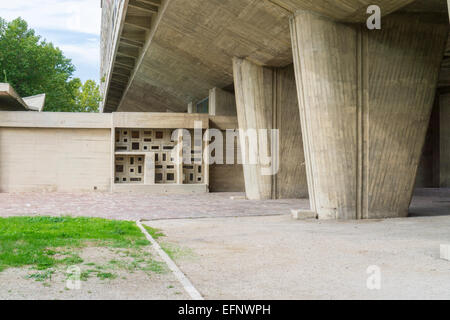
x,y
368,94
444,139
357,115
221,103
11,101
197,39
53,159
278,258
75,152
266,99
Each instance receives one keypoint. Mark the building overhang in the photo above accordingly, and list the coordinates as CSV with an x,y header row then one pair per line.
x,y
189,46
133,22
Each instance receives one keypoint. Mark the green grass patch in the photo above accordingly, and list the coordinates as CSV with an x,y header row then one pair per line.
x,y
41,276
106,275
155,233
43,242
174,251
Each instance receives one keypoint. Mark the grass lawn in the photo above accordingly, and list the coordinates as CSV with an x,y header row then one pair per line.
x,y
47,242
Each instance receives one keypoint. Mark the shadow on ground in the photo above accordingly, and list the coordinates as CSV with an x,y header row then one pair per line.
x,y
430,202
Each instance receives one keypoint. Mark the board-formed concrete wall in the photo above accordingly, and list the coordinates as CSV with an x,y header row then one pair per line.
x,y
55,160
74,152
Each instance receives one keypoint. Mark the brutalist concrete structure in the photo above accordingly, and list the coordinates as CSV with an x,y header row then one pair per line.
x,y
353,104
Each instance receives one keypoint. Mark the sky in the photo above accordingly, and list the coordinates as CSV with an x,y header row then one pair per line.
x,y
71,25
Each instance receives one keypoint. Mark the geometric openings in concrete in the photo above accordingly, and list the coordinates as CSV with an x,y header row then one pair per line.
x,y
149,156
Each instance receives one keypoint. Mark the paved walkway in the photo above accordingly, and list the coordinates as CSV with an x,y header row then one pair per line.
x,y
129,206
279,258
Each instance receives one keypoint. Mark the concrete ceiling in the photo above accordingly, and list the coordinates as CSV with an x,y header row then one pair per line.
x,y
193,46
343,10
194,42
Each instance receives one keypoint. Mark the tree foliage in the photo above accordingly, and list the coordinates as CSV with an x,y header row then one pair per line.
x,y
88,97
33,66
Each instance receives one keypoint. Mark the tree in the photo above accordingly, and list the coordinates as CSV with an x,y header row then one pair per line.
x,y
89,97
33,66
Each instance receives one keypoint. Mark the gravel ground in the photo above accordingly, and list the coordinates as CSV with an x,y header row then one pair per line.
x,y
250,257
136,285
278,258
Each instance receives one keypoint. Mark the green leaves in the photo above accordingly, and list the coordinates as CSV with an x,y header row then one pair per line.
x,y
88,97
34,66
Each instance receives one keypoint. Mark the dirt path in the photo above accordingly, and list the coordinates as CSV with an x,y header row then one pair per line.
x,y
111,275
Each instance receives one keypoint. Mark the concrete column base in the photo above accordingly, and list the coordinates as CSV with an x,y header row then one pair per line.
x,y
303,214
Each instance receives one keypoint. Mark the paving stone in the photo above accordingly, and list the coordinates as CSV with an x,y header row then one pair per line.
x,y
130,206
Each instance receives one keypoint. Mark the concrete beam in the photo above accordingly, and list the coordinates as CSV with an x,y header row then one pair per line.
x,y
365,103
136,35
122,71
125,61
143,6
344,11
132,43
143,23
127,51
17,119
156,3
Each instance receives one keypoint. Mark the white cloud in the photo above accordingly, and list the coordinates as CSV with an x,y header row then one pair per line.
x,y
71,15
88,54
72,25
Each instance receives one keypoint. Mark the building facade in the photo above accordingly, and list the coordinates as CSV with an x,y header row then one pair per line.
x,y
351,104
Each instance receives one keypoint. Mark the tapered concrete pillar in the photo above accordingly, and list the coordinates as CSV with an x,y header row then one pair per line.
x,y
444,140
266,99
365,102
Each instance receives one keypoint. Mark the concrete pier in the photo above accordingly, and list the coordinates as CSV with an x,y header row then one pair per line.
x,y
365,103
266,99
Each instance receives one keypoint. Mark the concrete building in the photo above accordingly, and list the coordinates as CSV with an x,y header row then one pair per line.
x,y
11,101
109,152
353,105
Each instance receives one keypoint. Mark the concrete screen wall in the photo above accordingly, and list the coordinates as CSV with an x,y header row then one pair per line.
x,y
75,152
